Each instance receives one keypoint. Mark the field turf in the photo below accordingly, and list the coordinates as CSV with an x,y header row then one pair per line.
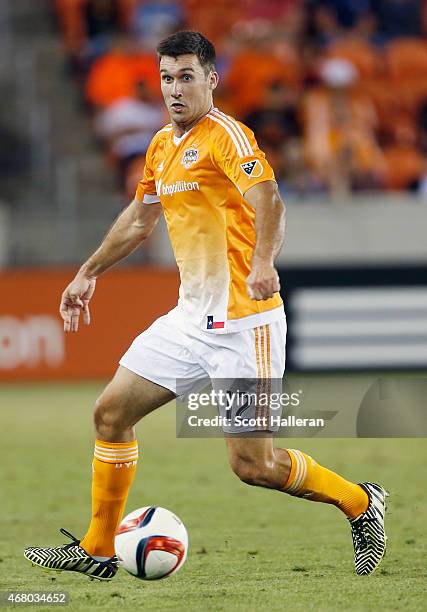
x,y
250,549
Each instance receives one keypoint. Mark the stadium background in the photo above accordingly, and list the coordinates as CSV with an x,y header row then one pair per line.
x,y
336,92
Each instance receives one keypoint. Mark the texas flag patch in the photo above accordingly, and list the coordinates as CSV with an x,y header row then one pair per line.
x,y
215,324
252,168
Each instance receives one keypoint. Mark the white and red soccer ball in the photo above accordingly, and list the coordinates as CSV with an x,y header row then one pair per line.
x,y
151,543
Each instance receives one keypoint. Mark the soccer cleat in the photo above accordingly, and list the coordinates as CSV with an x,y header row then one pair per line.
x,y
367,530
72,558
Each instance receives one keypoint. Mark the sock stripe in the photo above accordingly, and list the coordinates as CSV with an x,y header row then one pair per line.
x,y
112,454
300,480
300,471
116,459
295,466
133,454
107,451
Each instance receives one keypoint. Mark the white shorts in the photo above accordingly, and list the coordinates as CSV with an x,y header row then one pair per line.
x,y
184,359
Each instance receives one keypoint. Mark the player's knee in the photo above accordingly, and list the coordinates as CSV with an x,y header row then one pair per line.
x,y
250,472
107,416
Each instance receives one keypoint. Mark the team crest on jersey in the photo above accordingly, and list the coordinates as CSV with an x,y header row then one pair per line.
x,y
190,157
252,168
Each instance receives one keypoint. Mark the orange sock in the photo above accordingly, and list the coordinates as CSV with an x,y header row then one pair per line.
x,y
310,480
114,467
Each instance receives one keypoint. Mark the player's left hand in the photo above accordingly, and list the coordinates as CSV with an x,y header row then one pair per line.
x,y
263,281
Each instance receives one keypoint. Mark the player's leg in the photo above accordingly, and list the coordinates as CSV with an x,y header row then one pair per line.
x,y
127,399
257,462
260,356
146,380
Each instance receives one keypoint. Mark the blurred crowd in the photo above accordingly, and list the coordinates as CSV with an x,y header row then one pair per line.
x,y
335,90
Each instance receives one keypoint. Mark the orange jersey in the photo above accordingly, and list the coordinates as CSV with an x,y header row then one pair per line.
x,y
200,180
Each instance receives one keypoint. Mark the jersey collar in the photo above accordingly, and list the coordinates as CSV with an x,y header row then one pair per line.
x,y
179,139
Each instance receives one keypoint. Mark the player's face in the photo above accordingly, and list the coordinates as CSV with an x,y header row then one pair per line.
x,y
186,88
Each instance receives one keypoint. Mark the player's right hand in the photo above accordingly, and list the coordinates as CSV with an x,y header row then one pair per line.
x,y
75,300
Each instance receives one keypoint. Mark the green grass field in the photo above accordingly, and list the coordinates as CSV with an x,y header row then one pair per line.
x,y
250,549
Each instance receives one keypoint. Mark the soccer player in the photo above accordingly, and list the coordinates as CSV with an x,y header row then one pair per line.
x,y
226,220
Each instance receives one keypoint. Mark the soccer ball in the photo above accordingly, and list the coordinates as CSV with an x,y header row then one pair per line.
x,y
151,543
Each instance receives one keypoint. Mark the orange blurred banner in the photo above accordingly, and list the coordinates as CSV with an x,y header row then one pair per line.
x,y
33,345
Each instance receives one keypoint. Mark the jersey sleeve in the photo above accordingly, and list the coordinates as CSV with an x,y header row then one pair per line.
x,y
146,191
236,152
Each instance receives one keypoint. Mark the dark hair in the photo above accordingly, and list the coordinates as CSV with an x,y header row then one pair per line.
x,y
190,42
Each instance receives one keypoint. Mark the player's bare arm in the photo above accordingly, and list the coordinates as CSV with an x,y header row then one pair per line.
x,y
263,281
127,233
